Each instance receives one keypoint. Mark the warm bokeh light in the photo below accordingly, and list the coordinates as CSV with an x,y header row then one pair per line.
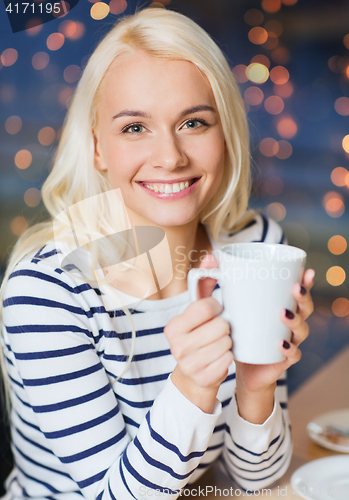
x,y
23,159
258,35
346,41
254,17
341,105
340,307
64,97
271,6
339,176
7,93
32,197
286,127
40,60
46,136
239,73
257,73
274,105
334,64
345,143
33,27
333,204
335,275
268,147
18,225
13,124
289,2
72,29
253,96
118,6
272,186
337,244
281,55
261,59
279,75
276,211
285,150
284,90
72,73
272,41
99,11
9,57
55,41
275,27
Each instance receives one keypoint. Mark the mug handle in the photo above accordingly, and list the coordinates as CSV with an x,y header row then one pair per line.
x,y
194,275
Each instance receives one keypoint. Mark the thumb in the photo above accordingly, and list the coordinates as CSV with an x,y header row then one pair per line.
x,y
207,285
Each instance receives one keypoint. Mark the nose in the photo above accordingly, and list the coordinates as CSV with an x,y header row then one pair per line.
x,y
167,152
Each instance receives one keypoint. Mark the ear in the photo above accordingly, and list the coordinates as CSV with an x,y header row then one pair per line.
x,y
98,156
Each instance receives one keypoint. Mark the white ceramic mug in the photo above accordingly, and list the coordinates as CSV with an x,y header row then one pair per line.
x,y
256,280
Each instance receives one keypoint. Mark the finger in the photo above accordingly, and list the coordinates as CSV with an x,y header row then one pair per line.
x,y
208,354
207,285
295,322
291,352
308,279
305,305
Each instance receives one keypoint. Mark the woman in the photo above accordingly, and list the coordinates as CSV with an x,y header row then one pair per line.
x,y
156,126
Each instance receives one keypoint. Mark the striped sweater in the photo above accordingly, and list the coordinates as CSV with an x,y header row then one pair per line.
x,y
76,433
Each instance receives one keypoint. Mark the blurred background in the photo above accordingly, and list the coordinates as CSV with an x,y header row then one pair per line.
x,y
291,60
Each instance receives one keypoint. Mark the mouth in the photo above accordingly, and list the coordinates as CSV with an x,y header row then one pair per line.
x,y
168,187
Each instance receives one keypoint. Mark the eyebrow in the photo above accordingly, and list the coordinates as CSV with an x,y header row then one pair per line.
x,y
194,109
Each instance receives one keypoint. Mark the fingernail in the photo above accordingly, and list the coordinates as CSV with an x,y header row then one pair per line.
x,y
289,314
303,290
286,345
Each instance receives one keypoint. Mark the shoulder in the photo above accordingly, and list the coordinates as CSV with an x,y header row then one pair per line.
x,y
260,229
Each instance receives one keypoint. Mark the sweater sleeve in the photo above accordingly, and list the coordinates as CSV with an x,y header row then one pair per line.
x,y
61,390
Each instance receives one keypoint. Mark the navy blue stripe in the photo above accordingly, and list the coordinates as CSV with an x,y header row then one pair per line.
x,y
204,466
63,378
215,447
283,237
249,224
95,449
159,465
123,480
229,377
34,443
51,279
36,480
171,446
139,333
72,402
38,464
28,423
281,381
54,354
283,405
47,329
92,479
259,470
129,421
226,402
144,380
219,428
265,477
99,497
141,479
15,381
137,357
137,404
275,440
264,231
39,301
82,427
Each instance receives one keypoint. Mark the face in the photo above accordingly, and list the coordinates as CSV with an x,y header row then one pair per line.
x,y
159,137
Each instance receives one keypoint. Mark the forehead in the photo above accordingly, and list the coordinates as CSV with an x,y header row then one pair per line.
x,y
142,80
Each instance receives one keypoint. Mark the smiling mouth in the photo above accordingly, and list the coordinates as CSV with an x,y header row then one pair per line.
x,y
169,188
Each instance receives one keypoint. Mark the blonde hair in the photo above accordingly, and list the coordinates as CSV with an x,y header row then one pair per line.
x,y
74,177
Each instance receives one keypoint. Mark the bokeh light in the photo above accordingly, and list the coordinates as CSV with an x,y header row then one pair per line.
x,y
18,225
279,75
72,29
289,2
274,26
257,73
9,57
46,136
346,41
335,276
272,41
284,151
40,60
258,35
33,27
32,197
7,93
281,55
345,143
337,244
271,6
340,307
284,90
339,176
118,6
55,41
13,124
272,186
286,127
99,11
65,95
262,59
333,204
274,105
341,105
254,17
239,72
23,159
72,73
253,96
276,211
268,146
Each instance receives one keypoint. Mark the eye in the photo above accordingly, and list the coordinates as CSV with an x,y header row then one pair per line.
x,y
195,123
134,128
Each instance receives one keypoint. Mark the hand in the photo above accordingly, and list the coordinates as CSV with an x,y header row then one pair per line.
x,y
256,383
200,342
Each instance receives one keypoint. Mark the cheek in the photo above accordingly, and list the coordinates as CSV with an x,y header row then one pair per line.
x,y
123,161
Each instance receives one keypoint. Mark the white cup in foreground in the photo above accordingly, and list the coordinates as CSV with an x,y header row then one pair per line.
x,y
256,280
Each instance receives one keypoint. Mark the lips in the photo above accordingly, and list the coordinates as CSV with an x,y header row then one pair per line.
x,y
168,187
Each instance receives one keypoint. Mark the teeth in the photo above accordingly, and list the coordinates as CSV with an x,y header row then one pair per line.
x,y
168,188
